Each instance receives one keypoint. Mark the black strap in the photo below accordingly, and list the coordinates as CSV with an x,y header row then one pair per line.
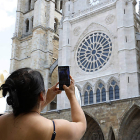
x,y
54,133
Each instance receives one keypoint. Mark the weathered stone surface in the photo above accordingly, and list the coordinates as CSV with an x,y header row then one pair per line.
x,y
121,116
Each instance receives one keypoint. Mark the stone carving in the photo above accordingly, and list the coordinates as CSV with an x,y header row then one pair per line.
x,y
94,52
110,19
90,28
77,31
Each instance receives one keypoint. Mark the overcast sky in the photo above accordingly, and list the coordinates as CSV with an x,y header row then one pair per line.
x,y
7,27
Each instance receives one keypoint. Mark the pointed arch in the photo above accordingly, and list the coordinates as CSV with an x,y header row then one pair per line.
x,y
130,124
56,25
113,88
97,83
27,25
85,85
111,79
88,93
111,135
100,91
94,130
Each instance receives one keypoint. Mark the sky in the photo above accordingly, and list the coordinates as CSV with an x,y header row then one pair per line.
x,y
7,27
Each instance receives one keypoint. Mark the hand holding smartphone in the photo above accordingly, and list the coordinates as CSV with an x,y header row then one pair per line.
x,y
64,76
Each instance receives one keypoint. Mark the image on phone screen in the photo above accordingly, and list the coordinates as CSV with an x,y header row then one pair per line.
x,y
64,78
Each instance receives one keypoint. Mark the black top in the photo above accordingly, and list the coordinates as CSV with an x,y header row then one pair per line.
x,y
54,133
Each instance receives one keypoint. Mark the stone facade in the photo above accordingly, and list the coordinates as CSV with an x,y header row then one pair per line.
x,y
115,120
36,39
100,41
114,21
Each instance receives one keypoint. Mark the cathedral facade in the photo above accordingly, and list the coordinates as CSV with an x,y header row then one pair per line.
x,y
100,41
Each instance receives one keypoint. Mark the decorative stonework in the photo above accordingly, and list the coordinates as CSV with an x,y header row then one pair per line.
x,y
110,19
77,31
94,52
90,28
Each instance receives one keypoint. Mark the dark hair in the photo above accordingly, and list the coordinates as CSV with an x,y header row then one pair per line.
x,y
24,87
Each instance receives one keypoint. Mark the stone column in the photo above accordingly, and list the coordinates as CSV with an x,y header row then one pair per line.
x,y
107,96
42,44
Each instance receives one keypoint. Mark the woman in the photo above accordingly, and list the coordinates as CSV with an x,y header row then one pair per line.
x,y
28,97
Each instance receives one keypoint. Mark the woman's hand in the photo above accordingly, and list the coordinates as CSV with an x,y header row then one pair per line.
x,y
51,93
70,91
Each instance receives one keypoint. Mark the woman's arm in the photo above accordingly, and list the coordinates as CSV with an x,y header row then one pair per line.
x,y
71,130
51,94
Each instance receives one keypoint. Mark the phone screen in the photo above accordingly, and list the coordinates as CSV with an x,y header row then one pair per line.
x,y
64,78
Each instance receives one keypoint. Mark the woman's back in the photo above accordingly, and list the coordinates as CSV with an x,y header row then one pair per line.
x,y
27,96
31,126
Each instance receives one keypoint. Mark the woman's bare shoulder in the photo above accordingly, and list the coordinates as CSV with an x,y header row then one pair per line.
x,y
4,116
44,127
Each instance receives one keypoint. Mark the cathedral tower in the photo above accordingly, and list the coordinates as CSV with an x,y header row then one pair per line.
x,y
35,41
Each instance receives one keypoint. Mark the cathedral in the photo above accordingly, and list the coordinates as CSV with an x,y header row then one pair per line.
x,y
100,41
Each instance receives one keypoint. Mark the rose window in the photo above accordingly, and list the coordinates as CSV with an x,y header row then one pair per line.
x,y
94,52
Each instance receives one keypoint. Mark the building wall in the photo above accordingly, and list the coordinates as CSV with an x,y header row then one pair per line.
x,y
109,116
116,20
37,48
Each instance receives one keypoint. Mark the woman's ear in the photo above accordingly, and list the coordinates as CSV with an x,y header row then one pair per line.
x,y
42,96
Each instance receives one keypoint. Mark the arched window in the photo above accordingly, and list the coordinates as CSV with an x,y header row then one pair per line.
x,y
117,92
100,93
55,25
88,96
110,93
103,95
27,25
61,5
98,96
113,90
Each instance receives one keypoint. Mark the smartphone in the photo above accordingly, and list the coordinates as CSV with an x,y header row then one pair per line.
x,y
64,76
